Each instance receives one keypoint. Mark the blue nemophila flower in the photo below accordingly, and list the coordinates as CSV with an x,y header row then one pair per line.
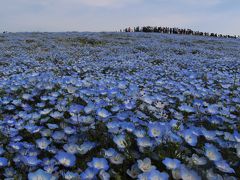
x,y
148,99
213,176
134,171
27,96
70,175
188,174
119,96
40,174
17,138
171,163
5,100
238,150
86,119
112,92
52,126
32,128
120,140
199,160
89,108
129,105
45,111
50,168
71,148
103,175
223,166
66,159
103,113
47,161
71,89
122,115
16,145
174,137
143,176
176,124
115,108
209,135
153,175
52,149
144,142
140,133
27,108
46,132
35,116
99,164
212,152
9,172
212,109
116,158
130,127
17,102
29,146
228,136
17,158
186,108
190,137
122,85
31,160
75,108
85,147
3,161
43,143
109,152
145,165
236,136
113,126
10,122
44,98
89,173
10,107
44,120
41,105
155,130
58,135
56,115
10,132
1,150
69,130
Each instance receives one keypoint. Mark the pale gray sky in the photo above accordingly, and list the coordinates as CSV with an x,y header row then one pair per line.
x,y
221,16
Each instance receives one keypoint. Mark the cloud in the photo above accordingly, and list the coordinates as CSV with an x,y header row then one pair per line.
x,y
110,15
108,3
93,3
203,2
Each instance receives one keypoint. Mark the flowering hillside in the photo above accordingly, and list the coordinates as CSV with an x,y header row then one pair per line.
x,y
120,106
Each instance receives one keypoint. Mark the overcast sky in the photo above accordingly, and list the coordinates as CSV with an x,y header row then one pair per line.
x,y
221,16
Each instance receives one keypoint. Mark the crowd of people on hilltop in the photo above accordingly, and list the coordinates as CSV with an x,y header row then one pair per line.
x,y
168,30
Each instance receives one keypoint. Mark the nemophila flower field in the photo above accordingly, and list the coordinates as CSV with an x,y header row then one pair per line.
x,y
119,106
